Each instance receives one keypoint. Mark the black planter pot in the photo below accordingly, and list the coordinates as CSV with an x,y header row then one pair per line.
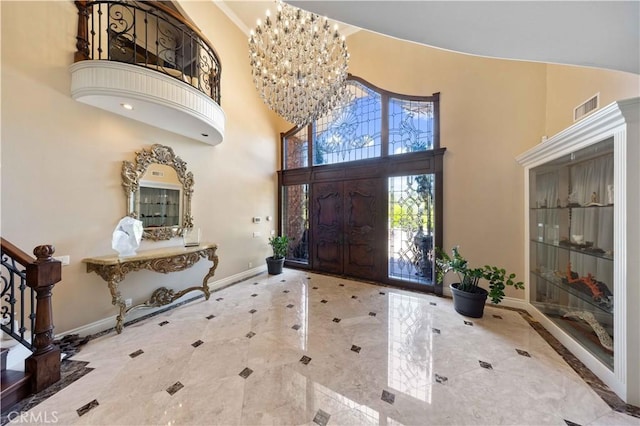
x,y
274,266
469,304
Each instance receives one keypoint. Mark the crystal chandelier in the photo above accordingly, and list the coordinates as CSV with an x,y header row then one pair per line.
x,y
298,63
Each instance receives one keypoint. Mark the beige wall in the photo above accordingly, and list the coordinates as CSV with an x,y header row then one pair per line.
x,y
569,86
61,160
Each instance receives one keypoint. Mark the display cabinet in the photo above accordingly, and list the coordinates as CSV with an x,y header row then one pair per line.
x,y
159,207
571,245
582,242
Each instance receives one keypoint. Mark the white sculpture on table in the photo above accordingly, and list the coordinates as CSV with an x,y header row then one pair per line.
x,y
127,235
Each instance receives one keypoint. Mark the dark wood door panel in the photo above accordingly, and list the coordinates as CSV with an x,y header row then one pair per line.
x,y
327,226
361,228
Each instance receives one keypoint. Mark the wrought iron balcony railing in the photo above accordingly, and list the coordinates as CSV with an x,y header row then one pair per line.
x,y
148,34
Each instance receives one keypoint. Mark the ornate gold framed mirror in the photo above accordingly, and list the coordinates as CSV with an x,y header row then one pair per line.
x,y
159,189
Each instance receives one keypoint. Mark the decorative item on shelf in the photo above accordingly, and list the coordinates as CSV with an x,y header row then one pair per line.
x,y
610,194
298,86
468,297
127,235
588,285
280,246
605,339
595,200
572,200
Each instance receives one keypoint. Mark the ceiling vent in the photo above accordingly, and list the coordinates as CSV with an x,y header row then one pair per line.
x,y
587,107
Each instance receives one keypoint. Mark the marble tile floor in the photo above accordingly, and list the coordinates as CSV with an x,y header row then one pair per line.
x,y
308,349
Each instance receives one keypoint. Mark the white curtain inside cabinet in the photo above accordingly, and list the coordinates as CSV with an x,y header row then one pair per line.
x,y
592,185
547,195
590,222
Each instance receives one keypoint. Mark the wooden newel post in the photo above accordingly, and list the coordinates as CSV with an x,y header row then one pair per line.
x,y
82,39
44,363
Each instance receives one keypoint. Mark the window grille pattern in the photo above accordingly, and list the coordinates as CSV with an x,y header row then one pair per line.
x,y
296,221
351,131
295,149
410,126
411,227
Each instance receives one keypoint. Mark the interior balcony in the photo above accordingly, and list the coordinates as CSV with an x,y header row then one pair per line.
x,y
145,61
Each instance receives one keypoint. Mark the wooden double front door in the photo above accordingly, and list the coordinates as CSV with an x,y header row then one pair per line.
x,y
348,229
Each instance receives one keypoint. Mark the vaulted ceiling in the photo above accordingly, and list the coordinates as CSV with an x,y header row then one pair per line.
x,y
601,34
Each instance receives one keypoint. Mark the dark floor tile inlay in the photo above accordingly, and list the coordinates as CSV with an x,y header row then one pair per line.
x,y
253,311
372,314
163,323
283,281
296,327
523,353
250,334
497,316
486,365
254,295
354,297
255,283
436,330
197,343
305,360
308,278
285,291
86,407
355,348
321,418
336,320
290,306
433,303
246,372
210,317
315,288
341,285
171,390
382,293
136,353
468,323
441,379
219,299
388,397
570,423
323,301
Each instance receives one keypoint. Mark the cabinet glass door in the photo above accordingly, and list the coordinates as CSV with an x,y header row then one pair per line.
x,y
571,245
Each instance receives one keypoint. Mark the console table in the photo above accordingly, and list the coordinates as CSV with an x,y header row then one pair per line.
x,y
113,269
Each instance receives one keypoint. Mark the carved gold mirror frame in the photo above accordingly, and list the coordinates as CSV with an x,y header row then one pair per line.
x,y
132,174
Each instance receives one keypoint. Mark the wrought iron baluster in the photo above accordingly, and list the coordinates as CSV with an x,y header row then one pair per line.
x,y
146,38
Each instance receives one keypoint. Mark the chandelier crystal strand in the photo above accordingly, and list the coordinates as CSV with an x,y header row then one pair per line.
x,y
298,63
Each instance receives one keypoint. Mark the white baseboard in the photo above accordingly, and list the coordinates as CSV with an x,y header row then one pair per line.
x,y
512,302
110,322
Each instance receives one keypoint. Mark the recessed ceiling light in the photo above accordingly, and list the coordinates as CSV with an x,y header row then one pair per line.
x,y
127,106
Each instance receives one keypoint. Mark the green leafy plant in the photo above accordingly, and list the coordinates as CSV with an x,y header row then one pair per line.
x,y
470,277
280,246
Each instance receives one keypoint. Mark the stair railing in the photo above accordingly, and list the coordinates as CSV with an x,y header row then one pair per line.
x,y
30,309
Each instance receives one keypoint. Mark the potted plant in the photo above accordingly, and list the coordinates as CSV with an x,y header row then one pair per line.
x,y
280,246
468,297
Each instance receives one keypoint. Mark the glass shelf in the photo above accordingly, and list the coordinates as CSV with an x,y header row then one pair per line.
x,y
572,207
575,250
556,282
